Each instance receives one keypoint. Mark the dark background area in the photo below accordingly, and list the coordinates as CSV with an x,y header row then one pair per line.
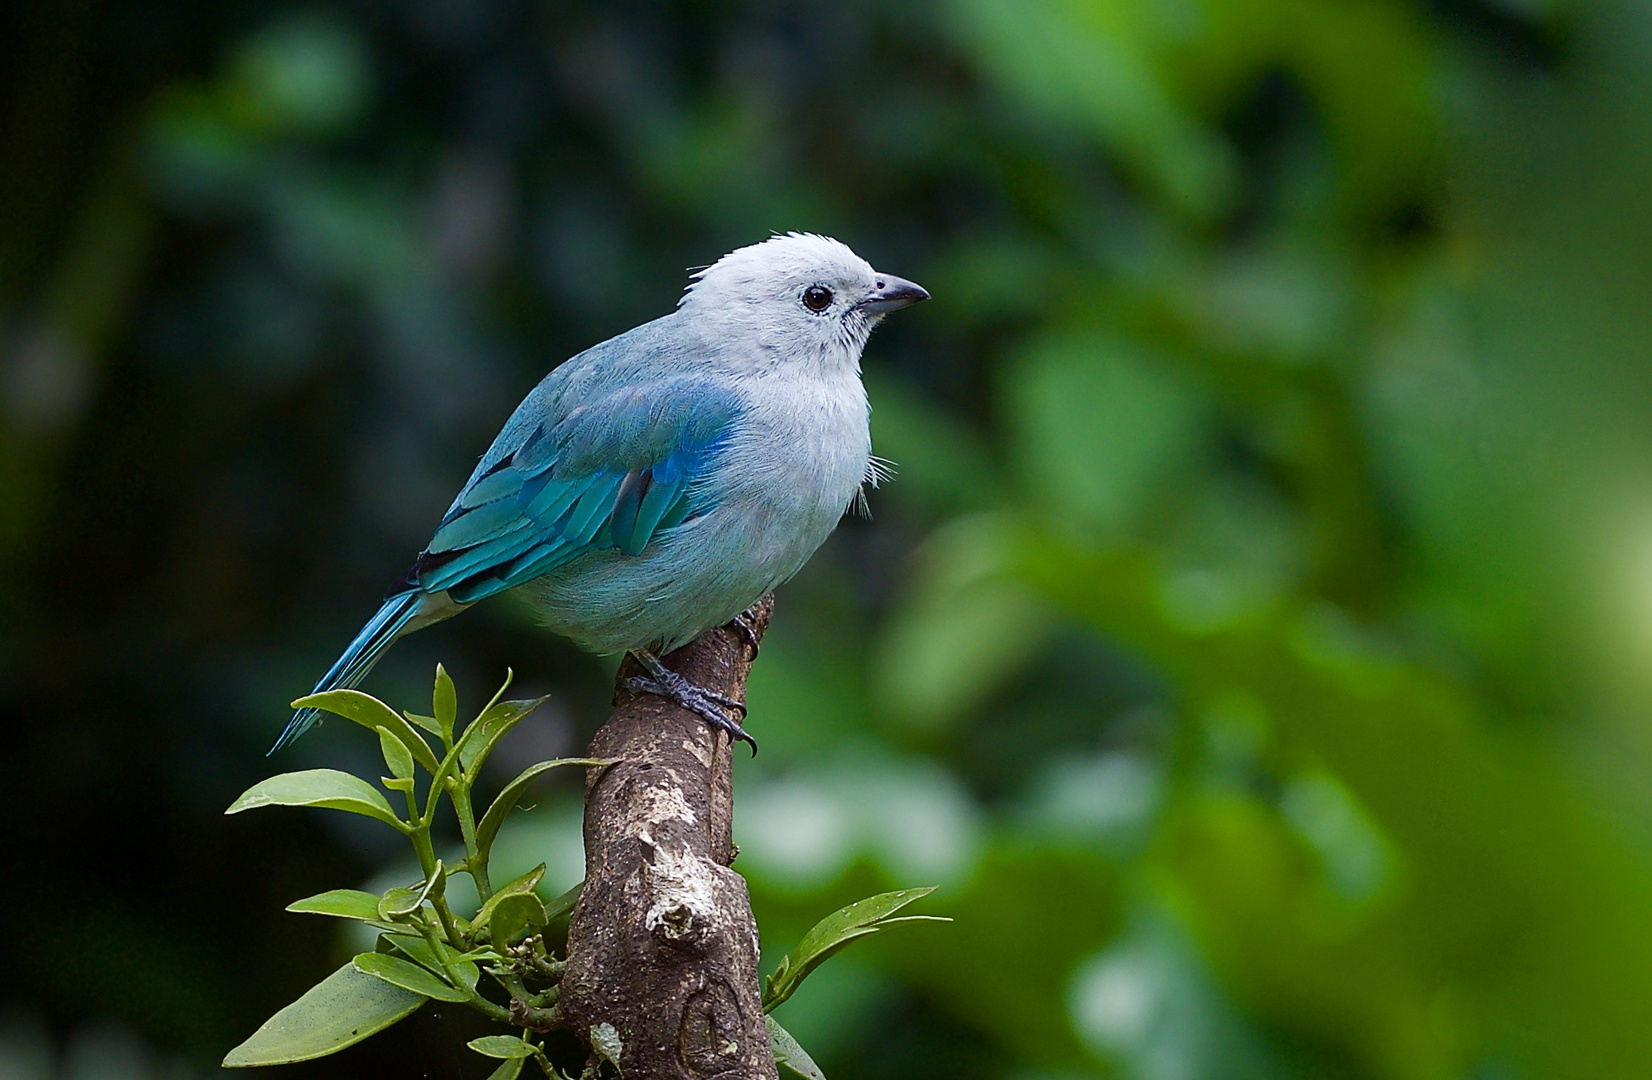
x,y
1255,646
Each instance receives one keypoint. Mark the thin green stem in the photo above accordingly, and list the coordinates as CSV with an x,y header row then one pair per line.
x,y
476,862
497,1013
472,996
519,992
437,950
412,814
547,967
449,766
449,927
539,1055
526,1016
420,835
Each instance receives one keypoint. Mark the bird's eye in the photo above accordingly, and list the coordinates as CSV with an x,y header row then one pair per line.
x,y
817,298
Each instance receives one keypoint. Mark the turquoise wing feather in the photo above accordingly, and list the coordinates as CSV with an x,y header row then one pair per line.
x,y
609,473
603,453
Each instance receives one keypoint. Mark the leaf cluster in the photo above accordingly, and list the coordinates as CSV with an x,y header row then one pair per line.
x,y
425,951
825,939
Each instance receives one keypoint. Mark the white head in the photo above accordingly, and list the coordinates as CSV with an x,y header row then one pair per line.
x,y
799,297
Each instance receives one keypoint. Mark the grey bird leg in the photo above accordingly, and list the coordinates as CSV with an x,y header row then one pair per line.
x,y
742,622
714,708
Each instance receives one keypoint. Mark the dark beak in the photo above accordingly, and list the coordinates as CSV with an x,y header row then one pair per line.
x,y
893,293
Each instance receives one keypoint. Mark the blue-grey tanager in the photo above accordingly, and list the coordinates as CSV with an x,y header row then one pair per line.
x,y
658,484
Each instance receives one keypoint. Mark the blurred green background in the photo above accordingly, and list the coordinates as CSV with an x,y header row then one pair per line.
x,y
1256,645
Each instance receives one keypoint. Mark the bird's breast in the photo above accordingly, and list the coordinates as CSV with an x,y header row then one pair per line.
x,y
797,459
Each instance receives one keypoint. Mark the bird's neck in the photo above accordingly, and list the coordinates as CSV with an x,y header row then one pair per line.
x,y
744,343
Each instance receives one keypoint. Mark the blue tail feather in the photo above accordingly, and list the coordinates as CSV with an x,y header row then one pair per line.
x,y
358,659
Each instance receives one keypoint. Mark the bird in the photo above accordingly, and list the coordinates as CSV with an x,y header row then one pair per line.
x,y
658,484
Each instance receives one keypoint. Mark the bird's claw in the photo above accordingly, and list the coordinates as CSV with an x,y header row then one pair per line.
x,y
747,627
716,709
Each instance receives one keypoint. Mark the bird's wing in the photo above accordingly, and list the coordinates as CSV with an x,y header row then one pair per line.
x,y
608,472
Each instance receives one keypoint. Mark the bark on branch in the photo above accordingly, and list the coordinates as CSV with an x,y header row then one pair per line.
x,y
662,945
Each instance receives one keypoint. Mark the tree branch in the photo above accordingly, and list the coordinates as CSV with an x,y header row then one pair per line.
x,y
662,945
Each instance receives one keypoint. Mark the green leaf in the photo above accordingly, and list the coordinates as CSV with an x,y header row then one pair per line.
x,y
372,714
860,919
397,758
507,1070
823,937
407,975
467,973
341,904
522,885
790,1056
507,800
501,1046
563,904
444,702
341,1010
513,914
436,887
494,724
419,950
886,923
428,723
326,788
400,903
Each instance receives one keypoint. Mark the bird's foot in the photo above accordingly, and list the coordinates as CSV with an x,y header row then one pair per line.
x,y
718,710
746,624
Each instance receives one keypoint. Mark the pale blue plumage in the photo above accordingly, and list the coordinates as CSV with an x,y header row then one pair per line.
x,y
657,484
